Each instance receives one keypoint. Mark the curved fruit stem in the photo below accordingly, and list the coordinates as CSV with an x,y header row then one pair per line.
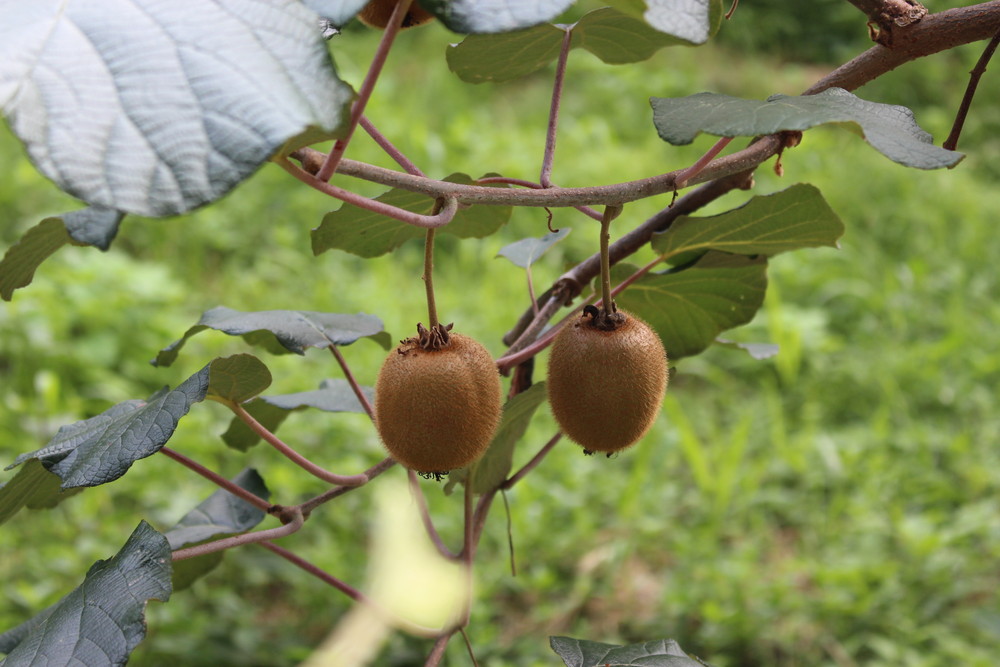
x,y
610,213
432,315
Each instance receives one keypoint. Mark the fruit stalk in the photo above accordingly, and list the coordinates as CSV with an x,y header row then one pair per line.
x,y
428,276
610,213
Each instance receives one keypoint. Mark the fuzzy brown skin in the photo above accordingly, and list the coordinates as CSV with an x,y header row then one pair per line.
x,y
437,410
606,387
377,12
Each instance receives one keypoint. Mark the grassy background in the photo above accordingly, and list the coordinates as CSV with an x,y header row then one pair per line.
x,y
834,505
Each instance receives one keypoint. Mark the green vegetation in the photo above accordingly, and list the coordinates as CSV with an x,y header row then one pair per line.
x,y
836,504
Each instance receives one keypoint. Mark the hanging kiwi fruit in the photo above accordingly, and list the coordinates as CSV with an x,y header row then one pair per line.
x,y
437,397
376,14
437,401
607,372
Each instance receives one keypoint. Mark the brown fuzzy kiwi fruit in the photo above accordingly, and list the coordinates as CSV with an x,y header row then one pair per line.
x,y
437,401
377,12
607,377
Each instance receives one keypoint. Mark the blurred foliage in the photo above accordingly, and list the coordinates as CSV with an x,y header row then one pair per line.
x,y
834,505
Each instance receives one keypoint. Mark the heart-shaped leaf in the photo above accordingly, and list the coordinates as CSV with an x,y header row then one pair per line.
x,y
890,129
797,217
270,411
219,515
101,449
488,16
524,252
369,234
283,331
101,621
689,308
156,108
583,653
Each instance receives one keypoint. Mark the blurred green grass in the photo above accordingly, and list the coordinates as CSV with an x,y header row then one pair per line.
x,y
835,505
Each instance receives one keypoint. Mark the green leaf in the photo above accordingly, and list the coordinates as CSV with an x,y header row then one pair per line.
x,y
890,129
219,515
583,653
369,234
238,378
17,268
89,226
614,37
797,217
689,308
491,470
524,252
283,331
618,38
150,121
490,16
505,56
101,449
101,621
33,487
270,411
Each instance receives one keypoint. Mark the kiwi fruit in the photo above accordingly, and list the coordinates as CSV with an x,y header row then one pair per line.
x,y
437,401
376,14
606,380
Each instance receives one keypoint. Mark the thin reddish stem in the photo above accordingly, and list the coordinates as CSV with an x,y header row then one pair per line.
x,y
239,540
425,516
349,376
218,479
557,88
442,218
315,571
389,148
294,456
367,86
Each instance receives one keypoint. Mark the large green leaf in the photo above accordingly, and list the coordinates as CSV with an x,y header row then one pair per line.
x,y
797,217
219,515
689,308
101,449
283,331
33,487
101,621
584,653
137,115
890,129
488,16
369,234
614,37
271,411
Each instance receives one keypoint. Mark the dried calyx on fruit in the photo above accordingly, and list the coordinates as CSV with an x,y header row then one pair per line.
x,y
437,400
377,12
607,378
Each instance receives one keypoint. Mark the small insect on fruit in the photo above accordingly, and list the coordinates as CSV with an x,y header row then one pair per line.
x,y
377,12
607,378
437,401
